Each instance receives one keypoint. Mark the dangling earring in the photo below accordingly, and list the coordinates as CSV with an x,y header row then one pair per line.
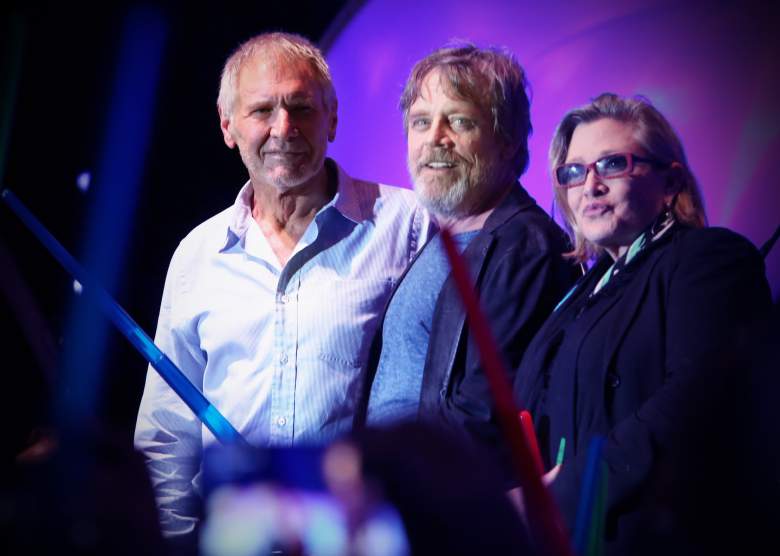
x,y
668,214
669,209
664,220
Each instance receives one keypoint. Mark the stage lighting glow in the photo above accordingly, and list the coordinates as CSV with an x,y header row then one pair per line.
x,y
83,181
712,72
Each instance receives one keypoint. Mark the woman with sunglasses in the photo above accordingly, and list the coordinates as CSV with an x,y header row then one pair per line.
x,y
645,350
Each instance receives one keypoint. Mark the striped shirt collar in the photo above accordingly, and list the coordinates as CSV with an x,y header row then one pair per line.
x,y
345,202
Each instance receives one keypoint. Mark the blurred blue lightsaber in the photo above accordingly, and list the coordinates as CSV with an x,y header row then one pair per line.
x,y
195,400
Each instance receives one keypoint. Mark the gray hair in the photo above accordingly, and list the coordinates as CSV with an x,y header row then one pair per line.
x,y
285,48
657,138
489,77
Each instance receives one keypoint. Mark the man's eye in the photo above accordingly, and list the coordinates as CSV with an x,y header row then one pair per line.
x,y
419,123
262,110
462,123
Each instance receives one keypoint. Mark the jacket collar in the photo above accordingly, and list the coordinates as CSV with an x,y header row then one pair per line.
x,y
516,200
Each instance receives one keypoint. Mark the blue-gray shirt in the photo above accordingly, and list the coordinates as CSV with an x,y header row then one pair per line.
x,y
395,392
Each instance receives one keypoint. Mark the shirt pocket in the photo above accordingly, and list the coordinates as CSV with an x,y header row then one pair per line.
x,y
346,313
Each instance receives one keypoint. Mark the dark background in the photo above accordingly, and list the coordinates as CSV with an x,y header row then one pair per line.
x,y
68,54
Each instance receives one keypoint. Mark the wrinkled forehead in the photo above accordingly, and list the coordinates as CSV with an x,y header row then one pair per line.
x,y
265,76
263,66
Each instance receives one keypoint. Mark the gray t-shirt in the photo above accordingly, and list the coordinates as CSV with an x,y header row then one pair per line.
x,y
395,392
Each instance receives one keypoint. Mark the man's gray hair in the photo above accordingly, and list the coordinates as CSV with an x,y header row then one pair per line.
x,y
285,48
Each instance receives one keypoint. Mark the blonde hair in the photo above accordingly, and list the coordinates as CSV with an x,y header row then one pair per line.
x,y
657,138
284,48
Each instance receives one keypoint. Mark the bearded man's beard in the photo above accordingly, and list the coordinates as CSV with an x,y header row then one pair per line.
x,y
454,196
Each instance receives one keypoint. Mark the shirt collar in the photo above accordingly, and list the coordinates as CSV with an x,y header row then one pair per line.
x,y
346,201
240,217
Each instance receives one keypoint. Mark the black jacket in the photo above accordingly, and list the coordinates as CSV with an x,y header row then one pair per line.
x,y
517,265
664,386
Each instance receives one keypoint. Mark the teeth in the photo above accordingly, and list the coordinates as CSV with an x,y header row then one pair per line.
x,y
440,165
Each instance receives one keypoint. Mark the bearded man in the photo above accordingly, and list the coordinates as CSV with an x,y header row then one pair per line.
x,y
466,116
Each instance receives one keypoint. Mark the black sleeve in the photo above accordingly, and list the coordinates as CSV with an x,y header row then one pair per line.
x,y
715,292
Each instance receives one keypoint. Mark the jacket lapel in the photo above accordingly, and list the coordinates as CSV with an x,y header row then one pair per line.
x,y
631,301
450,314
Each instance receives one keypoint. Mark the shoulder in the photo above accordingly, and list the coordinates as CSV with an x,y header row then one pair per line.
x,y
713,247
715,266
381,197
534,230
528,247
380,203
392,196
370,197
207,237
518,220
713,238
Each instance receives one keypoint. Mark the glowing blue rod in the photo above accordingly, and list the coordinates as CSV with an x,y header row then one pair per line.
x,y
197,402
588,492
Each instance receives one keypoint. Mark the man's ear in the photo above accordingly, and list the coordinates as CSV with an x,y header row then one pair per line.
x,y
334,120
225,125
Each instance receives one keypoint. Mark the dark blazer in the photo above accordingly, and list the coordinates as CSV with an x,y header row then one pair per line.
x,y
674,325
517,265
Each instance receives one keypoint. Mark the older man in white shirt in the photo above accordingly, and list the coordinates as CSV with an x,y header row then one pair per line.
x,y
269,306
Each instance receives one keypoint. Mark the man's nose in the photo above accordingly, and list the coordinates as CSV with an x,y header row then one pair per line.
x,y
283,125
439,134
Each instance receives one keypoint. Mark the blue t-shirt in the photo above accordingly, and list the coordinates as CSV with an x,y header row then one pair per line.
x,y
395,392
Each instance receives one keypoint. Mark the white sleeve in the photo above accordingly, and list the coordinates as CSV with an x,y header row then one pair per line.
x,y
168,433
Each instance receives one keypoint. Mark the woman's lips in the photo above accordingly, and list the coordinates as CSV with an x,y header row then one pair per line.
x,y
593,210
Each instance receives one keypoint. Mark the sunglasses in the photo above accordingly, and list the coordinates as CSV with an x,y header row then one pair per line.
x,y
607,167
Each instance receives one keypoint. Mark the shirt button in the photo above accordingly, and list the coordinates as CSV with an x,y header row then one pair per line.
x,y
284,299
281,421
613,380
283,358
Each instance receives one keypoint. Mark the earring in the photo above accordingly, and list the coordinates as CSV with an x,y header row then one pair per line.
x,y
664,220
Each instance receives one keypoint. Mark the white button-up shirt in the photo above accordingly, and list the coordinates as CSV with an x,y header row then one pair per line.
x,y
277,349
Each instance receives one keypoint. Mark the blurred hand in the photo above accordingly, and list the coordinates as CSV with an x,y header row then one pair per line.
x,y
516,494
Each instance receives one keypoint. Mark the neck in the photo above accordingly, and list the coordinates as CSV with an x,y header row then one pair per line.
x,y
653,231
471,220
289,209
616,252
284,215
461,224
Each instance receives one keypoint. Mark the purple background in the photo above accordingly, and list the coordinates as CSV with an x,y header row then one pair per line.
x,y
711,68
